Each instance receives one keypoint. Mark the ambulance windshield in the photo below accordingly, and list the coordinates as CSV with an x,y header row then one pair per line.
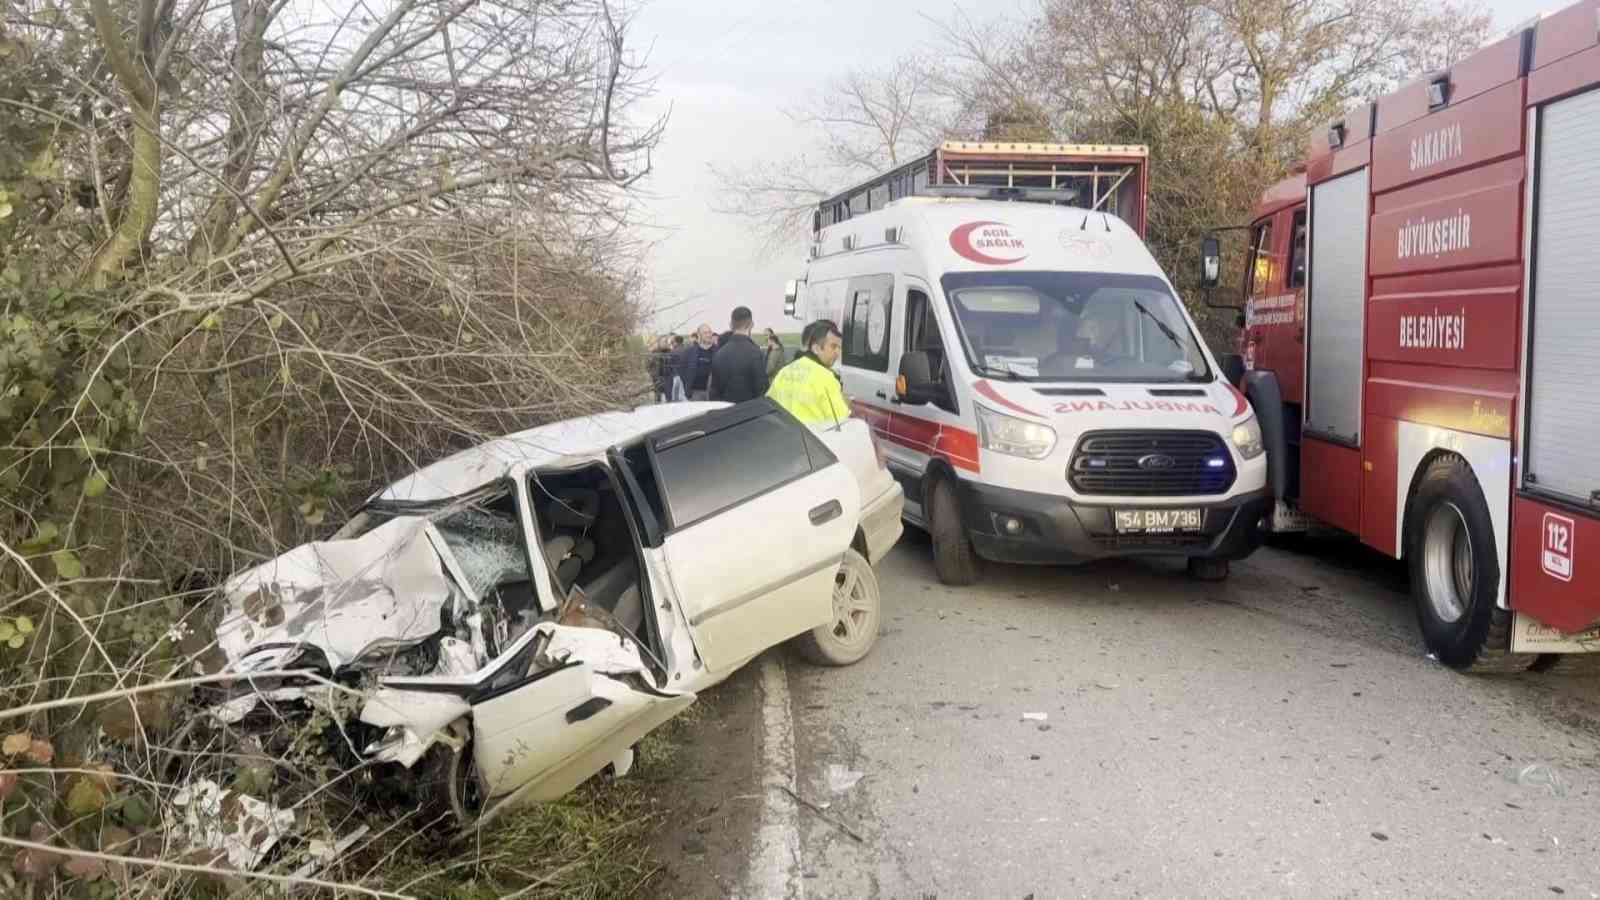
x,y
1073,326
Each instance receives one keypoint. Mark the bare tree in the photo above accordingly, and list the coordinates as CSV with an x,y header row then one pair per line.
x,y
258,258
865,121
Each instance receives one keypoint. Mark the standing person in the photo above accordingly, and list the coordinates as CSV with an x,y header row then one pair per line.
x,y
661,367
739,370
694,362
808,387
774,354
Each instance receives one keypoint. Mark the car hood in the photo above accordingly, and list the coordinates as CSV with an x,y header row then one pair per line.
x,y
385,589
1081,407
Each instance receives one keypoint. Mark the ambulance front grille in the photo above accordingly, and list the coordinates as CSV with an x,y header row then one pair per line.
x,y
1151,464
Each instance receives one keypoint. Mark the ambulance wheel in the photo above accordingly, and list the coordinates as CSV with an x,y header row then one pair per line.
x,y
1455,572
953,556
1206,569
857,616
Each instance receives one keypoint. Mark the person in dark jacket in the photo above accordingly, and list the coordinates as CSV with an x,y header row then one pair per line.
x,y
739,370
693,363
775,360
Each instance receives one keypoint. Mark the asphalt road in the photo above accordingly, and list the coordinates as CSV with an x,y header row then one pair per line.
x,y
1280,735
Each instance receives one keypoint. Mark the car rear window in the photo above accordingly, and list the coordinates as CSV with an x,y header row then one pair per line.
x,y
702,474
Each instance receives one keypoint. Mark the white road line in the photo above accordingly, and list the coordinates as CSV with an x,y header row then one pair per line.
x,y
775,869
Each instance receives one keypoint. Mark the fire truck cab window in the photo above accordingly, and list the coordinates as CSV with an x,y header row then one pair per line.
x,y
1260,258
1297,251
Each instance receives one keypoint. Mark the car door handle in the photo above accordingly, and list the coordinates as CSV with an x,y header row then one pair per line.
x,y
827,512
882,396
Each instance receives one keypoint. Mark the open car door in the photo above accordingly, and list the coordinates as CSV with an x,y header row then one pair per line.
x,y
758,515
554,709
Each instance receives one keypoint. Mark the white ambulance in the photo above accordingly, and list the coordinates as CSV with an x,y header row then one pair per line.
x,y
1040,391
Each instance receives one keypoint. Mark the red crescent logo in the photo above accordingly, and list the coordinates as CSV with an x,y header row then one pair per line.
x,y
961,243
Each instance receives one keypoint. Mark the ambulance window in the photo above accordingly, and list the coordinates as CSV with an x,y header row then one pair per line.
x,y
866,326
922,329
1260,273
1297,251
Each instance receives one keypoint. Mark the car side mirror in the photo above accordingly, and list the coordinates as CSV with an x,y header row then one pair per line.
x,y
1232,367
1210,262
915,384
791,296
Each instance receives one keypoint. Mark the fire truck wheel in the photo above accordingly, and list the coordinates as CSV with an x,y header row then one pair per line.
x,y
953,556
1455,571
1204,569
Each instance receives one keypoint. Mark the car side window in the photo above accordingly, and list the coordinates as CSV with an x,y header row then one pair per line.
x,y
1297,251
866,323
704,473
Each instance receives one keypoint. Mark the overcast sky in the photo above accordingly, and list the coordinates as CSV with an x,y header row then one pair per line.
x,y
729,68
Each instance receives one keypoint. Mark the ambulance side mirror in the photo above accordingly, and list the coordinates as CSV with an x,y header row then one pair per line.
x,y
915,385
1210,262
791,296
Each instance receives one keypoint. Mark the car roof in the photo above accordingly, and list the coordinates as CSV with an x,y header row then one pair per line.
x,y
563,444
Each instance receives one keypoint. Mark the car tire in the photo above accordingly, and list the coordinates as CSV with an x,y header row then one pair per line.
x,y
1203,568
953,557
1455,572
857,615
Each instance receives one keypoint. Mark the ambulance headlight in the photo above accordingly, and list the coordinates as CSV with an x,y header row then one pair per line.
x,y
1013,436
1247,438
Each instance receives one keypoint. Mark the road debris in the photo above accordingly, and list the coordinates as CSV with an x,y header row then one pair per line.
x,y
842,778
1035,717
821,813
207,817
1540,776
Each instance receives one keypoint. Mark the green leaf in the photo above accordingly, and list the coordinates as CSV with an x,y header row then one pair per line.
x,y
96,484
211,322
135,811
68,565
16,642
86,797
24,625
47,534
7,630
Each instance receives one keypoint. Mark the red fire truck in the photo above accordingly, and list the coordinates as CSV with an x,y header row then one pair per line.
x,y
1421,341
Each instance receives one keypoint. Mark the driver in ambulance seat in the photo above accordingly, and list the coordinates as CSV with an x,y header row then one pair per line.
x,y
1082,339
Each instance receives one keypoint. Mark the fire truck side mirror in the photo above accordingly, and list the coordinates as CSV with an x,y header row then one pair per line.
x,y
791,295
1210,262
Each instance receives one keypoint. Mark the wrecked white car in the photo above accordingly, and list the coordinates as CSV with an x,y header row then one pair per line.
x,y
514,618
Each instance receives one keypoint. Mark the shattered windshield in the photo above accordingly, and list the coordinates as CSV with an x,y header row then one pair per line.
x,y
485,537
1073,326
487,543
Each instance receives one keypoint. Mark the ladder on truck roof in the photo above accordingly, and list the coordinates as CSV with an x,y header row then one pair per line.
x,y
1108,177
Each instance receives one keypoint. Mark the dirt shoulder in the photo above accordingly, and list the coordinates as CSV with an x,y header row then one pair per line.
x,y
702,770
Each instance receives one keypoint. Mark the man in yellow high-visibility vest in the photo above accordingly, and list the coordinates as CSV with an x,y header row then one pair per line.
x,y
808,387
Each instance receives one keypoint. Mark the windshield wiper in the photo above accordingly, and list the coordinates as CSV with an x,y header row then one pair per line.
x,y
994,372
1165,328
1176,342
